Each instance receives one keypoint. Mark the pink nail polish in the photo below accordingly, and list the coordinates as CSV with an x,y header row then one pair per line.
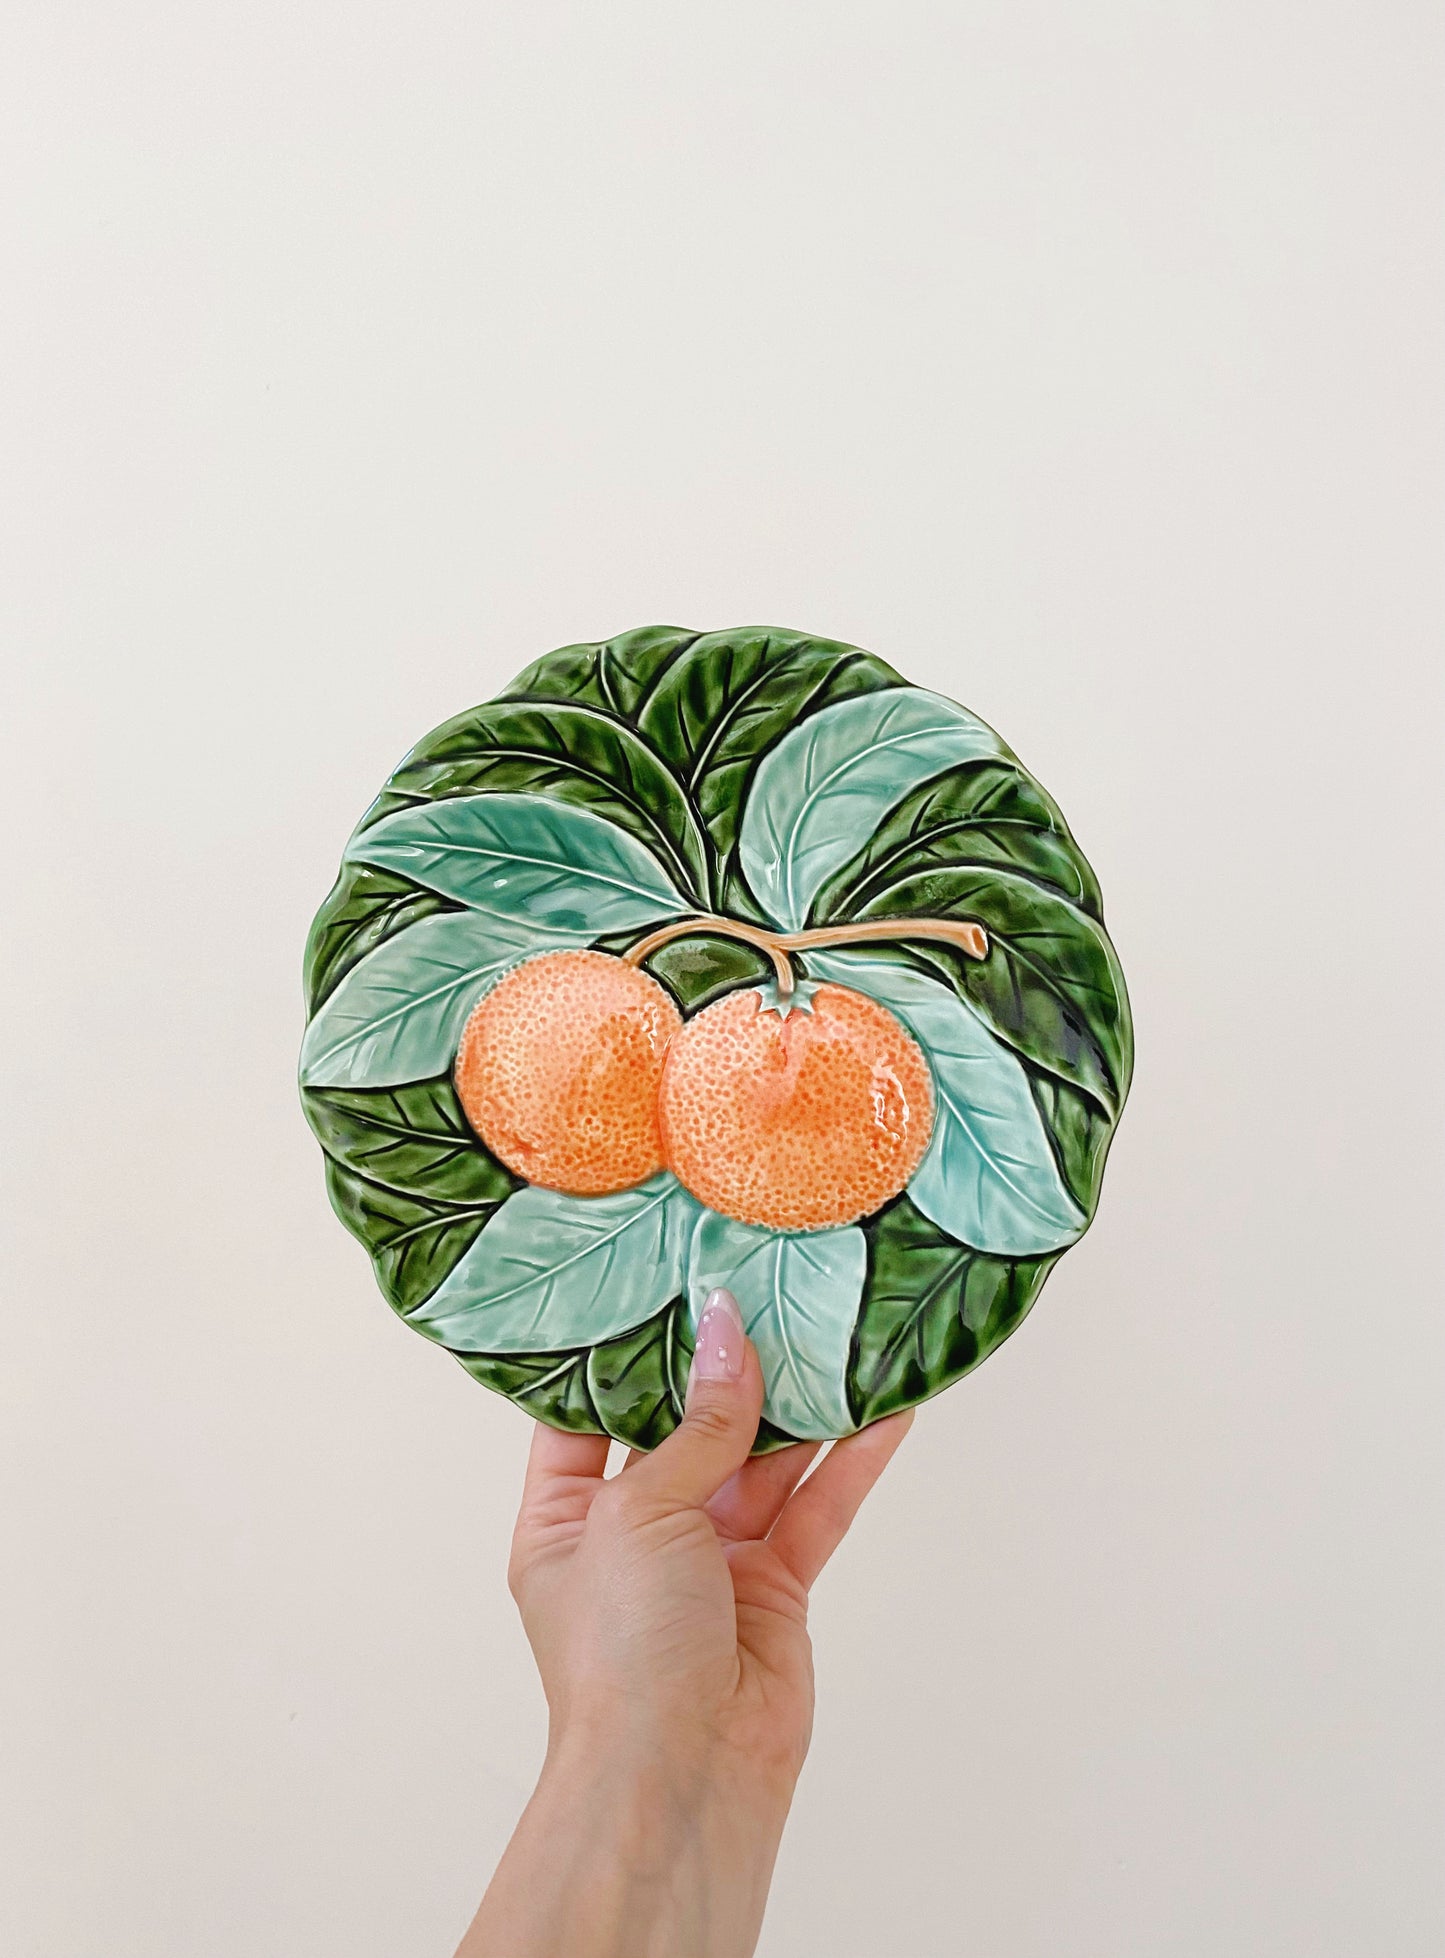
x,y
718,1354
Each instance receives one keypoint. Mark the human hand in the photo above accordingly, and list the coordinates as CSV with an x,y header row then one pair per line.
x,y
667,1610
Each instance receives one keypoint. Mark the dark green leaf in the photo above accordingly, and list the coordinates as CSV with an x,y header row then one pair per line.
x,y
1050,985
573,753
638,1380
1081,1132
770,1439
630,1387
984,813
715,709
413,1139
934,1310
413,1241
550,1386
696,971
364,908
611,673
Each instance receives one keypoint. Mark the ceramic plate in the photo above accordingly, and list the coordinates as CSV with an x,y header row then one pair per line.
x,y
914,994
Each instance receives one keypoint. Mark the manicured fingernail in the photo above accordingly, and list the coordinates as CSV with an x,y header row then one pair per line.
x,y
718,1354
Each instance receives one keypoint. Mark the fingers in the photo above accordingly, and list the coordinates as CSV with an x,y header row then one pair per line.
x,y
818,1517
750,1502
556,1456
720,1421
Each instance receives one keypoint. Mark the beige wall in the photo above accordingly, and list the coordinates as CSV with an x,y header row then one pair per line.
x,y
1082,361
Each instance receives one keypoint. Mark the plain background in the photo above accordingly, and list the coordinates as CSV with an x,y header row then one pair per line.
x,y
1084,362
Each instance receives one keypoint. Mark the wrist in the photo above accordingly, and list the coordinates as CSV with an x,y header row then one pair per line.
x,y
633,1850
660,1787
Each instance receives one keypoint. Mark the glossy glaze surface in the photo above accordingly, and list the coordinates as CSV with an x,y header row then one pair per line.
x,y
559,1069
801,1119
756,821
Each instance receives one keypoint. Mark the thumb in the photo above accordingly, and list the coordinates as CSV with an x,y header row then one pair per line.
x,y
720,1421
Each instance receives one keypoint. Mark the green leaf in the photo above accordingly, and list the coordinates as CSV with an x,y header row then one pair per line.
x,y
638,1381
552,1387
414,1241
414,1139
723,699
554,1271
365,907
935,1309
399,1014
611,673
799,1297
631,1387
989,1176
1051,984
1082,1132
986,812
696,971
572,754
832,779
523,859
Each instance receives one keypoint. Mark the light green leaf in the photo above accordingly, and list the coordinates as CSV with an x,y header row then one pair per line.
x,y
551,1272
363,908
989,1177
398,1015
524,858
567,753
984,813
799,1297
1050,986
829,782
718,705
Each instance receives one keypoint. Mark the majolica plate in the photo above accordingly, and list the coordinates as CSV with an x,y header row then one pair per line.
x,y
699,959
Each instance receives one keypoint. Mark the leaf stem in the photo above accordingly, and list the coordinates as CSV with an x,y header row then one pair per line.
x,y
776,945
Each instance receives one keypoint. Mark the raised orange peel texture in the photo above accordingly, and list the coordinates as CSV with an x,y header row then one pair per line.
x,y
559,1068
797,1121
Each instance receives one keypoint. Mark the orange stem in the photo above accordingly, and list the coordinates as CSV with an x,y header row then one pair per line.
x,y
967,937
776,945
767,942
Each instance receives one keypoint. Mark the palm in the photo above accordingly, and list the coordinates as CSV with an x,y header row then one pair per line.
x,y
691,1612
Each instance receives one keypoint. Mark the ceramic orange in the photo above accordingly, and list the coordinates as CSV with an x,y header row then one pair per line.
x,y
559,1070
801,1114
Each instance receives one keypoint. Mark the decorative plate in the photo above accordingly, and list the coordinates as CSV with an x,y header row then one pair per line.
x,y
714,959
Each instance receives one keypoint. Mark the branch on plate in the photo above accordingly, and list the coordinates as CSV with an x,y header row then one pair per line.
x,y
964,935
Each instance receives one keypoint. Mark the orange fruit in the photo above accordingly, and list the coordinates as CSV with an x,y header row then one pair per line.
x,y
558,1071
801,1120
